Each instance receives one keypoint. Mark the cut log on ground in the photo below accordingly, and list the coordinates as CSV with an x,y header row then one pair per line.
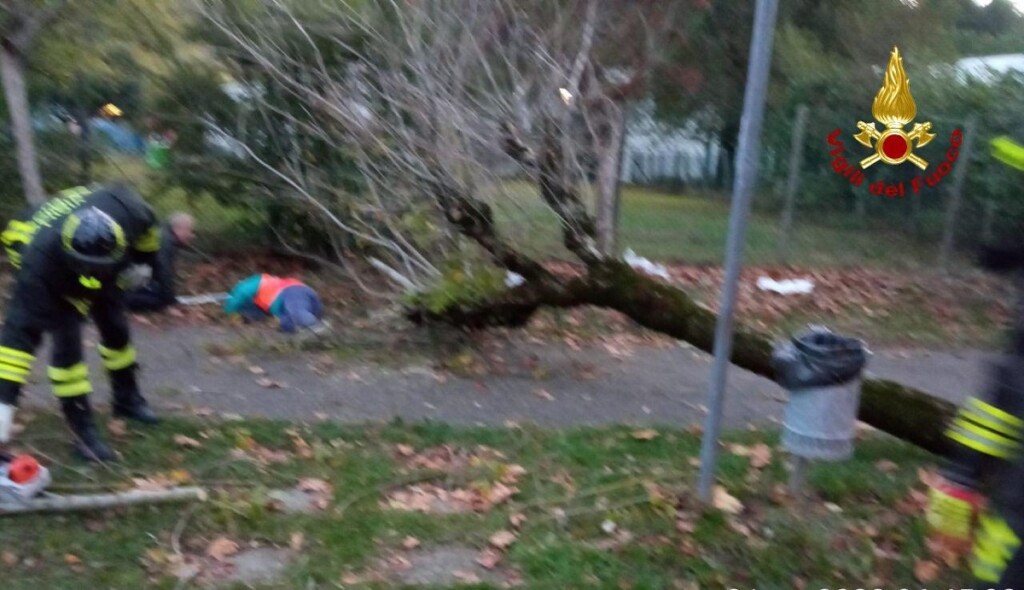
x,y
58,503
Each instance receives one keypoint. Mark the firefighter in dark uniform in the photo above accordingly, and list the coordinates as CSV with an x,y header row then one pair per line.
x,y
980,494
73,256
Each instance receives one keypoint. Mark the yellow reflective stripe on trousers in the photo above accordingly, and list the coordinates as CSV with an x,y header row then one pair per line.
x,y
150,241
14,353
72,373
20,372
13,377
115,360
72,389
998,414
15,363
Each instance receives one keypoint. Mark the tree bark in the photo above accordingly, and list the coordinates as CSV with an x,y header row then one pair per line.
x,y
12,71
609,173
904,412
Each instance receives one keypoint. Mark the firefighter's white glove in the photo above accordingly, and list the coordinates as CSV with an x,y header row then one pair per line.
x,y
135,276
6,422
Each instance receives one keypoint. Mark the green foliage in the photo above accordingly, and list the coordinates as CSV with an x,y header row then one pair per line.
x,y
462,282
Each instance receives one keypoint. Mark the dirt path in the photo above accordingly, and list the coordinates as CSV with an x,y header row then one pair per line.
x,y
559,387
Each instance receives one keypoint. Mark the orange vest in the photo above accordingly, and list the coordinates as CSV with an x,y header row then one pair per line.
x,y
270,288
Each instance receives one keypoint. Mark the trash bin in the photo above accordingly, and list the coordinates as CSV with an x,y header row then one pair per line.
x,y
821,371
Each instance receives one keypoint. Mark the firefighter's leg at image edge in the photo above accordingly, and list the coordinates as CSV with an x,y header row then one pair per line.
x,y
17,346
120,361
998,559
69,377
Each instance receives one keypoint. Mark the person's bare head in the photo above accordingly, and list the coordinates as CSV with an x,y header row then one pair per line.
x,y
183,226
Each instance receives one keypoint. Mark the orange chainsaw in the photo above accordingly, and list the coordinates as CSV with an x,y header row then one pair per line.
x,y
22,478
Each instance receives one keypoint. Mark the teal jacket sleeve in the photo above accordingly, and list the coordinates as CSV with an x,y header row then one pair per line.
x,y
243,294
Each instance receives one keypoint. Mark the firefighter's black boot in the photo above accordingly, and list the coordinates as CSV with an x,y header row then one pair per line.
x,y
88,444
128,400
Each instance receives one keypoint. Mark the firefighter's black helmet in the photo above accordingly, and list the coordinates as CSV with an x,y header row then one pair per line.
x,y
92,237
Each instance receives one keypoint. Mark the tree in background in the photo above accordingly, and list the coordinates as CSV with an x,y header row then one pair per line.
x,y
22,23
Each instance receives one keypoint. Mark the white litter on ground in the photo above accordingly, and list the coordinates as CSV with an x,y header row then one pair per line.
x,y
785,287
641,263
513,280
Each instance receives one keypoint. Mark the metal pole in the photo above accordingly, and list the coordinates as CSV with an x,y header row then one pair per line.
x,y
796,151
956,192
746,177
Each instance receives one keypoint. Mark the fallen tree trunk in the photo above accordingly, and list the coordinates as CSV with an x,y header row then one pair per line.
x,y
904,412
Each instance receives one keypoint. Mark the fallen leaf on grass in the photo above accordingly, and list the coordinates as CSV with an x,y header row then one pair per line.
x,y
72,559
499,493
926,571
489,559
9,559
511,473
760,456
725,502
410,543
517,520
297,541
117,428
685,526
221,548
502,539
886,466
189,443
647,434
406,450
314,486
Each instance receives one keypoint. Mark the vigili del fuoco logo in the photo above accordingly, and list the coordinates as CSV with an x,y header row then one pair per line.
x,y
894,109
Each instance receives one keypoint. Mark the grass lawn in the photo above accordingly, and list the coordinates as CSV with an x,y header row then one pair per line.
x,y
684,228
603,508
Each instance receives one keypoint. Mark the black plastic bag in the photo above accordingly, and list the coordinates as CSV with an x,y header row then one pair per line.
x,y
818,358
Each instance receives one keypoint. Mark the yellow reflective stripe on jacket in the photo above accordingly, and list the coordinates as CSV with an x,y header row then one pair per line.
x,y
150,241
72,373
115,360
81,305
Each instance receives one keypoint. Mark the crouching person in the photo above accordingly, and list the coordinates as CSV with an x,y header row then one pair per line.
x,y
291,301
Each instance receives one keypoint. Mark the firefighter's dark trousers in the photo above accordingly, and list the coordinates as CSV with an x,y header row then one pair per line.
x,y
68,374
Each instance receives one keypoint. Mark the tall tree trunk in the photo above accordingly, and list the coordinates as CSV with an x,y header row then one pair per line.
x,y
12,72
609,174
